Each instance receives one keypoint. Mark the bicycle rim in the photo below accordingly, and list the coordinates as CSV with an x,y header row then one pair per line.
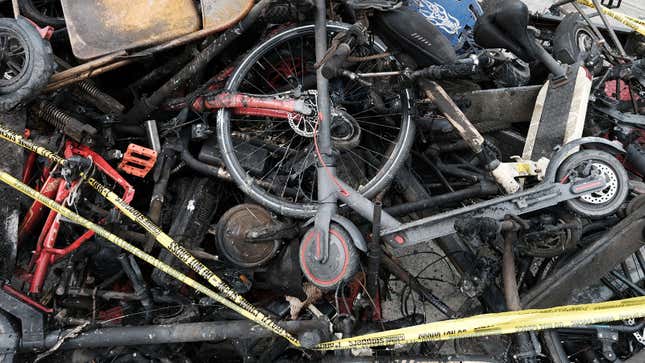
x,y
370,144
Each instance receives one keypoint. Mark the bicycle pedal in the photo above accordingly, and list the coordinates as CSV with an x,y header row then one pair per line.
x,y
138,160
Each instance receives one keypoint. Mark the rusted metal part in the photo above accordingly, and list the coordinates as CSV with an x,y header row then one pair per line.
x,y
87,67
234,240
89,92
116,60
242,101
455,116
589,265
224,13
511,295
497,109
70,126
143,108
80,76
101,27
177,333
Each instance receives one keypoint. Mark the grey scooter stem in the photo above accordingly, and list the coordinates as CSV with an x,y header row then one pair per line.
x,y
326,170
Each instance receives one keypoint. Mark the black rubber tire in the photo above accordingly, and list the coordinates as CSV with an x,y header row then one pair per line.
x,y
38,64
597,211
350,265
567,38
30,10
306,209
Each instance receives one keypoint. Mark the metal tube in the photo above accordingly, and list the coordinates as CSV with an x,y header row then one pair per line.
x,y
554,347
610,30
364,207
511,295
326,170
483,188
508,271
549,62
322,84
87,67
16,8
175,333
374,251
78,76
133,273
153,135
593,26
628,282
168,161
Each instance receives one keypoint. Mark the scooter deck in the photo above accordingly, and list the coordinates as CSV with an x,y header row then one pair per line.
x,y
559,114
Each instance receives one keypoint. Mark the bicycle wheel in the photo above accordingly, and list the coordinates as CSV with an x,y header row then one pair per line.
x,y
372,131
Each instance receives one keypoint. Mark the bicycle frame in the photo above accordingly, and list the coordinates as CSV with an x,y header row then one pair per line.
x,y
46,253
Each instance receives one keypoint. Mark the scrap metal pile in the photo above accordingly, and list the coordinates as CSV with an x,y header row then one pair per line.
x,y
291,180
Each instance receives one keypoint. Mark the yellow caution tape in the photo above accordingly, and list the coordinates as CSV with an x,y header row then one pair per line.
x,y
166,241
636,24
635,20
499,323
475,326
32,193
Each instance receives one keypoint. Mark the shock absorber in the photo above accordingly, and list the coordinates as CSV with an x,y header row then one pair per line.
x,y
58,118
87,90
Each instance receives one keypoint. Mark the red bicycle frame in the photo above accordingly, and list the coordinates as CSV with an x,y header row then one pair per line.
x,y
46,253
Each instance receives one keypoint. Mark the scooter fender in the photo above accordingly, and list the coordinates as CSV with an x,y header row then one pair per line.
x,y
564,152
350,227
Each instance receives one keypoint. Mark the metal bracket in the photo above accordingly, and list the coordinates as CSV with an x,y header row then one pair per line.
x,y
607,339
32,322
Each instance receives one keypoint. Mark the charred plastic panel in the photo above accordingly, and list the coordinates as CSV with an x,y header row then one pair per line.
x,y
11,162
191,220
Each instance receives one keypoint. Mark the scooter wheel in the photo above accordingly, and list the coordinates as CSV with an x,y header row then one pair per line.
x,y
340,265
603,202
26,62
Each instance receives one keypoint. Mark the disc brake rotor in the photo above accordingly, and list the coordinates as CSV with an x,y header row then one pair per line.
x,y
609,192
305,126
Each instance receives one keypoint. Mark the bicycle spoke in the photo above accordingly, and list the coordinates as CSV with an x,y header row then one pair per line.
x,y
379,136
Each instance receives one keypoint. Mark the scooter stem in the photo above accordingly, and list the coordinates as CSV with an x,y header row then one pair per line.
x,y
327,191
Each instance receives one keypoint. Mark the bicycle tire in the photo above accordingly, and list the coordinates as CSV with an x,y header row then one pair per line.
x,y
245,182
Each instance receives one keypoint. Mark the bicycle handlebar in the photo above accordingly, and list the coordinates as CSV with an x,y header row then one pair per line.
x,y
461,69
